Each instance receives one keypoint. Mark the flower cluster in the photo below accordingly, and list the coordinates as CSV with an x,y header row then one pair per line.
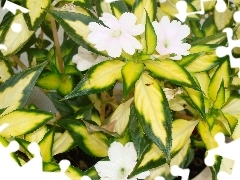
x,y
117,35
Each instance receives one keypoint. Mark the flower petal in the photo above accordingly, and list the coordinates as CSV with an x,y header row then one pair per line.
x,y
110,21
107,170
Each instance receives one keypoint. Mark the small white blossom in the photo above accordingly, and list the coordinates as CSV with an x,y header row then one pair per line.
x,y
170,36
171,93
117,36
121,164
86,59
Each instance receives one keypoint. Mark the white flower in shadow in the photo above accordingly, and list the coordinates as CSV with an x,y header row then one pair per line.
x,y
117,35
170,37
86,59
122,162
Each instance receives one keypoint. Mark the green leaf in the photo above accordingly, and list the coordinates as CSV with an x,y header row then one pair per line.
x,y
67,85
207,135
141,7
209,27
153,157
36,12
119,119
62,144
231,106
15,92
169,7
99,78
138,137
12,40
37,135
222,74
196,28
213,39
5,71
76,27
203,63
118,8
197,100
220,98
63,107
204,80
46,145
222,19
154,112
87,142
131,72
23,121
171,71
181,159
150,37
49,81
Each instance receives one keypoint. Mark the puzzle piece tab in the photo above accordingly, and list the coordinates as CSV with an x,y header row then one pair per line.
x,y
182,9
226,150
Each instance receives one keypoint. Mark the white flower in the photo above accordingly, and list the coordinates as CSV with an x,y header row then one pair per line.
x,y
86,59
170,36
117,36
171,93
122,161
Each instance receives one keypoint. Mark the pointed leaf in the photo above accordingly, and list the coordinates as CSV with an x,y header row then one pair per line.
x,y
46,145
131,72
154,112
220,98
76,27
99,78
119,120
5,71
23,121
141,7
36,12
62,144
222,74
12,40
118,8
15,92
181,132
197,100
207,135
150,37
171,71
87,142
138,137
203,63
37,135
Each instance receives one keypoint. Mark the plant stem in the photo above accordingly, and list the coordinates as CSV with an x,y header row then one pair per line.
x,y
57,45
19,62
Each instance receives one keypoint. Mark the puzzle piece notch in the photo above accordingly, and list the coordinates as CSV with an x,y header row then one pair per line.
x,y
33,169
176,171
227,150
222,51
182,9
12,7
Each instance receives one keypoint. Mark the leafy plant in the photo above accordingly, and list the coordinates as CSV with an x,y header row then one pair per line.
x,y
170,101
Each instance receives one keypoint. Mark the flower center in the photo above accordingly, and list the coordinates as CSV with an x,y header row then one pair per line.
x,y
122,170
166,43
116,33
